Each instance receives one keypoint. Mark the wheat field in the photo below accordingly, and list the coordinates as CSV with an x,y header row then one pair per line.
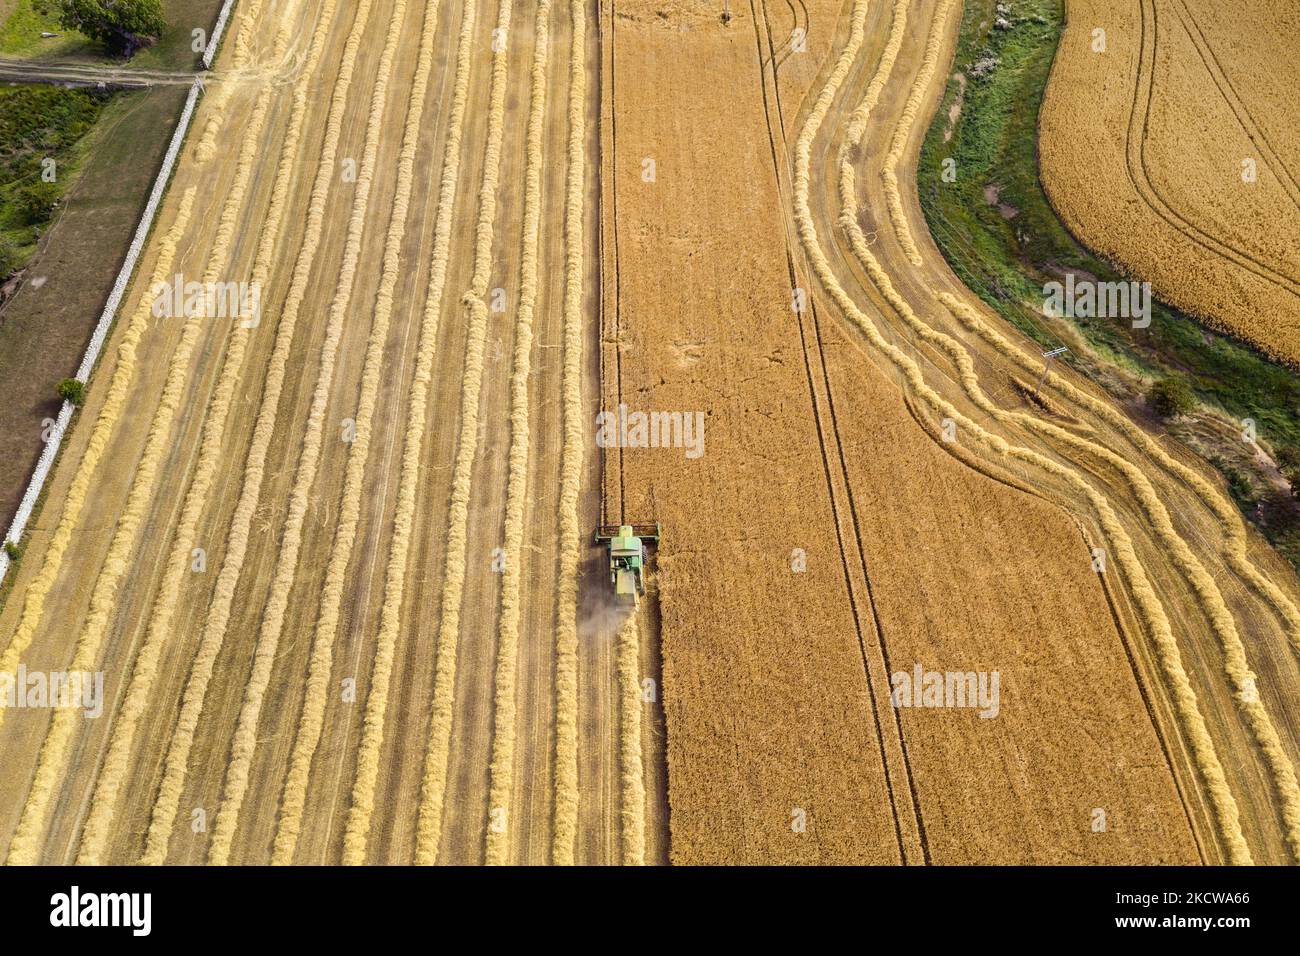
x,y
337,568
1174,153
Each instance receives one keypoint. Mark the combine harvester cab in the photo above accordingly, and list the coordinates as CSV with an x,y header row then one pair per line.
x,y
627,556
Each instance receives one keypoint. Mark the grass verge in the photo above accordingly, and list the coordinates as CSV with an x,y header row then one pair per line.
x,y
20,33
42,145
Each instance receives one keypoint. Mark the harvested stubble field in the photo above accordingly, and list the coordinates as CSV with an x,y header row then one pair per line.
x,y
283,541
1175,153
395,644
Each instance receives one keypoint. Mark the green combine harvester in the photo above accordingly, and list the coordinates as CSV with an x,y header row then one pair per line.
x,y
627,556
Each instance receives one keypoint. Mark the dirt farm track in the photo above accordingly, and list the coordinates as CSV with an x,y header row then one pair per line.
x,y
334,560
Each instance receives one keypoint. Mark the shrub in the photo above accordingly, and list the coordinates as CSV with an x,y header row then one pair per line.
x,y
35,201
14,550
1288,458
73,390
1292,475
1171,397
1242,488
1288,463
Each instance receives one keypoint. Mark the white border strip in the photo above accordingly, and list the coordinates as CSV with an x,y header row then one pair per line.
x,y
217,30
46,462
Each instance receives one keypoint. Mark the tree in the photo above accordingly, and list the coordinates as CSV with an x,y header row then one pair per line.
x,y
1171,397
123,26
72,390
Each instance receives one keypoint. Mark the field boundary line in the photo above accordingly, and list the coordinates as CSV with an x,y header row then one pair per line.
x,y
600,668
210,51
609,251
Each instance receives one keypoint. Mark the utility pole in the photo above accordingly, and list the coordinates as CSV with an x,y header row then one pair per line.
x,y
1047,366
726,11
